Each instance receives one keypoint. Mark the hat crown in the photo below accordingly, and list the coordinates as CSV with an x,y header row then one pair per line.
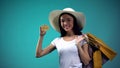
x,y
68,9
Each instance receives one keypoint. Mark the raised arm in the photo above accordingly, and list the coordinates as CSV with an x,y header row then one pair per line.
x,y
83,51
39,51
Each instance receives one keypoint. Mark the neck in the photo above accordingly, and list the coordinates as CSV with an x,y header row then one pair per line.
x,y
70,33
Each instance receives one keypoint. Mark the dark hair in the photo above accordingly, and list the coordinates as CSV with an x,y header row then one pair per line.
x,y
76,28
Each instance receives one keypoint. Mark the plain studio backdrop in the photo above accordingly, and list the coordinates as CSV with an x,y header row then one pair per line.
x,y
19,29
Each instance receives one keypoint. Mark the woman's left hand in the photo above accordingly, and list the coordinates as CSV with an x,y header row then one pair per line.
x,y
79,39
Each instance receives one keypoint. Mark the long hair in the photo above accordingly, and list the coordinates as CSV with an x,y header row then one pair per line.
x,y
76,29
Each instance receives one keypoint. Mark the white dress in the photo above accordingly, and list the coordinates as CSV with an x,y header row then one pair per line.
x,y
68,53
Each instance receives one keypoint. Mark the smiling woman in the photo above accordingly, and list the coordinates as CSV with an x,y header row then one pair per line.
x,y
71,46
19,29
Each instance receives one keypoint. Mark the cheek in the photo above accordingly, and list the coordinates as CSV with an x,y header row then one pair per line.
x,y
61,24
72,24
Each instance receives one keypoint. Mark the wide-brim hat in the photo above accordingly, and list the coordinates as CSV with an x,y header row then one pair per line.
x,y
54,16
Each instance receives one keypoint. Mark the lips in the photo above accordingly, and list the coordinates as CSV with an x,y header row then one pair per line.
x,y
66,26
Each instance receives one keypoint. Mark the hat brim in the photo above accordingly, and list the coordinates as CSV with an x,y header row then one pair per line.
x,y
54,16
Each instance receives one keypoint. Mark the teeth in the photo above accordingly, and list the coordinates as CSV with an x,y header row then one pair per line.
x,y
67,26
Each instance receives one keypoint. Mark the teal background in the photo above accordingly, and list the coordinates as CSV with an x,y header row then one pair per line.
x,y
19,29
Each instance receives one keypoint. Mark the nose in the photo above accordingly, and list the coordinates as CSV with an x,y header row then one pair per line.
x,y
65,22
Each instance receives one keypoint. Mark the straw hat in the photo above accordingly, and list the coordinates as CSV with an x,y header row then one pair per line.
x,y
54,16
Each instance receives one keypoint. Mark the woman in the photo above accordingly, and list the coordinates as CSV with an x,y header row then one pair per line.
x,y
71,46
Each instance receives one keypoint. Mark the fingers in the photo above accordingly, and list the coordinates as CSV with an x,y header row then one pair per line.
x,y
42,31
86,37
79,39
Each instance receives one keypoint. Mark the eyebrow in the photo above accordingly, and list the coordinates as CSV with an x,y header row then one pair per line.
x,y
66,18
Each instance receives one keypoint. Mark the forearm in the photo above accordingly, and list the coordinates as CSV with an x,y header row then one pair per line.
x,y
83,55
39,46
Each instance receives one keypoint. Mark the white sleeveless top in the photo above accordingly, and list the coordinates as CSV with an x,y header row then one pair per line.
x,y
68,53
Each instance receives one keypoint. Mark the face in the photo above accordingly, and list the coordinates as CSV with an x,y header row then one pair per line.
x,y
66,22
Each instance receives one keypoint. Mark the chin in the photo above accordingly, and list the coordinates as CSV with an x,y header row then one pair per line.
x,y
68,30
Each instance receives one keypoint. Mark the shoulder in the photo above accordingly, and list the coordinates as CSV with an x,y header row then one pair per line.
x,y
56,40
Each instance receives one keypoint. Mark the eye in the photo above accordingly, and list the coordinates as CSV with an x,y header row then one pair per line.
x,y
68,19
62,20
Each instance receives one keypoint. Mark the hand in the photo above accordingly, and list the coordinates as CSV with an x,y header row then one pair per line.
x,y
86,37
42,31
79,39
